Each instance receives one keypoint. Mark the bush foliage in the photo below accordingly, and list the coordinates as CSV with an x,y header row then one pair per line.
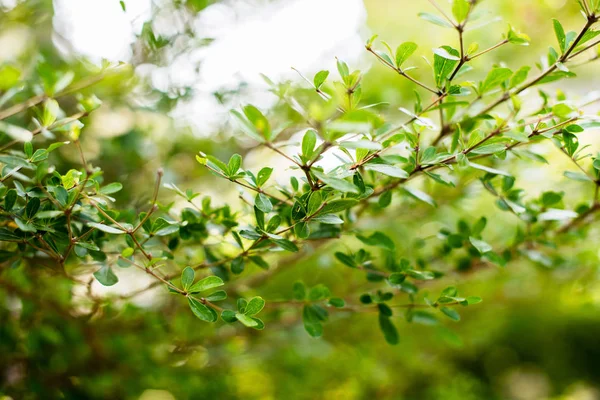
x,y
63,227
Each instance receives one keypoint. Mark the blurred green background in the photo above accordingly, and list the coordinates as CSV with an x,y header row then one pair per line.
x,y
535,336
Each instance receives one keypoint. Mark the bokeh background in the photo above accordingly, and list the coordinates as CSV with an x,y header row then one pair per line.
x,y
535,336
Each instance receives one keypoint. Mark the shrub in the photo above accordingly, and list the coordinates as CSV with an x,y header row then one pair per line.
x,y
63,224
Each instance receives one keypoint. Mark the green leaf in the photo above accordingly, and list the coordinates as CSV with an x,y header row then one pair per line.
x,y
111,188
106,228
299,291
577,176
329,219
16,132
517,38
263,176
318,292
202,311
302,230
106,276
9,77
361,144
346,259
33,205
336,183
246,320
255,305
519,76
336,206
343,68
553,214
28,148
560,35
259,261
50,112
274,223
247,127
388,170
460,9
336,302
286,245
237,265
489,170
370,41
187,277
308,143
388,329
489,148
563,110
404,51
14,161
434,19
385,199
494,78
421,196
235,161
396,279
127,252
228,316
421,275
450,313
314,202
442,66
207,283
10,199
445,54
70,179
311,321
8,236
259,121
424,318
480,245
263,203
24,226
378,239
320,78
219,295
167,228
590,34
260,325
450,291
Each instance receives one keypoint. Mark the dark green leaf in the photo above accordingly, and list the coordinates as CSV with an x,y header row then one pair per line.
x,y
378,239
450,313
10,199
389,330
202,311
106,276
286,245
